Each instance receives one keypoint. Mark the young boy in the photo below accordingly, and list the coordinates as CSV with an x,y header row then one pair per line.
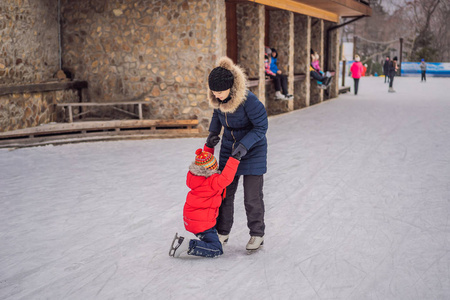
x,y
200,211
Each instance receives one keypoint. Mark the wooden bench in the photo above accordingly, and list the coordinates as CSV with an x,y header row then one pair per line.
x,y
98,130
110,104
43,87
344,89
255,81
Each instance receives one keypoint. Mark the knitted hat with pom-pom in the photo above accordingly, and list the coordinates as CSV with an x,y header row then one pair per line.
x,y
205,159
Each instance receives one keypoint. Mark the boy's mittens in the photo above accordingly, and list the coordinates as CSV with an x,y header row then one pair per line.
x,y
239,152
212,140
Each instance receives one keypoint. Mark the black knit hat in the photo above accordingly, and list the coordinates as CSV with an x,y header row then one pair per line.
x,y
220,79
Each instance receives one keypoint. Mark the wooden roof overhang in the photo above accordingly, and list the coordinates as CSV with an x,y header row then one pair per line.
x,y
330,10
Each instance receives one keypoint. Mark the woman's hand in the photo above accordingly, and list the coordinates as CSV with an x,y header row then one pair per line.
x,y
239,152
212,140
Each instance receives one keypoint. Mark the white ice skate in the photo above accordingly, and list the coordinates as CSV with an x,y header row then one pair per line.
x,y
180,245
254,244
223,238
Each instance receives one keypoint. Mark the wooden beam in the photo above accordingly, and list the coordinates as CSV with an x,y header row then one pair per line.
x,y
300,8
356,6
42,87
231,24
96,125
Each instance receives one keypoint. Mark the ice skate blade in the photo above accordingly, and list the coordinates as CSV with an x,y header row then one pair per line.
x,y
172,248
253,251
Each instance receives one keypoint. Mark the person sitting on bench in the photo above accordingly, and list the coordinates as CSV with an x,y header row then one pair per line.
x,y
279,79
316,73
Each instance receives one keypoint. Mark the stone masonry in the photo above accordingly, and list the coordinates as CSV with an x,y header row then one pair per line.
x,y
280,36
18,111
29,54
317,45
29,41
154,50
302,59
159,51
250,24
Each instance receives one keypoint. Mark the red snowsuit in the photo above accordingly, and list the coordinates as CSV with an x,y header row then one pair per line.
x,y
203,201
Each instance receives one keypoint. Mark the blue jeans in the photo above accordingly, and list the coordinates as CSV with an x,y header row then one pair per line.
x,y
208,245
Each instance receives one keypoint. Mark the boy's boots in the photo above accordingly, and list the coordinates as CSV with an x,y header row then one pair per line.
x,y
223,238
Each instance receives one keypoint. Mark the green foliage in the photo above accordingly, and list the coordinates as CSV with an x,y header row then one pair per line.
x,y
373,67
423,47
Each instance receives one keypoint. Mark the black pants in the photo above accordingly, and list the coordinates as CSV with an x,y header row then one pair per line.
x,y
356,80
317,76
253,202
391,80
280,82
424,77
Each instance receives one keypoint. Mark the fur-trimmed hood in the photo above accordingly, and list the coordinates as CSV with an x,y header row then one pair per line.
x,y
238,92
201,171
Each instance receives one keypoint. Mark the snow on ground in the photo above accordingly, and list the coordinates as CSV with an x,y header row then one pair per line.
x,y
357,207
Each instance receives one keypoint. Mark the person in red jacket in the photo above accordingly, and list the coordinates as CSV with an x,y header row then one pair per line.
x,y
201,209
357,70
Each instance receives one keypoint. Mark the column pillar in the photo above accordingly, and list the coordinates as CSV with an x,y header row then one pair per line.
x,y
333,50
302,60
251,44
281,37
317,42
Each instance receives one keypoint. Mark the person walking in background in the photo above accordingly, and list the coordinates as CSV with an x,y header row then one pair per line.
x,y
423,68
386,69
391,71
356,69
243,119
364,70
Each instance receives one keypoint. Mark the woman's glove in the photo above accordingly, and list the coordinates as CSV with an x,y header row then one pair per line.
x,y
212,140
239,152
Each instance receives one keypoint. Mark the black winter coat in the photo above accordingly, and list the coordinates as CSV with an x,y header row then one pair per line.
x,y
244,120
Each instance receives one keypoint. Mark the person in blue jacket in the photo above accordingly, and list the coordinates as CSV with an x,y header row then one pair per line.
x,y
243,119
279,79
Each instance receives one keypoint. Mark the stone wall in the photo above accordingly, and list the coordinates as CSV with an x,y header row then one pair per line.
x,y
250,28
317,44
302,59
280,39
248,38
18,111
334,58
154,50
29,41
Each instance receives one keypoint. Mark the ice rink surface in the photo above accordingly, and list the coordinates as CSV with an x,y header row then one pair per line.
x,y
357,207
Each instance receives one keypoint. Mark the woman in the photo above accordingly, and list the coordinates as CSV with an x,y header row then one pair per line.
x,y
392,70
244,121
279,79
357,70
